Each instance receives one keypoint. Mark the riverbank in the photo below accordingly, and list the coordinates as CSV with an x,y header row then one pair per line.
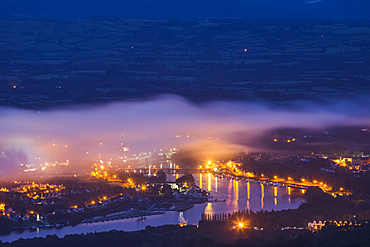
x,y
123,215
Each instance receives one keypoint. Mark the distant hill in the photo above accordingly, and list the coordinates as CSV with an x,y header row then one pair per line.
x,y
158,9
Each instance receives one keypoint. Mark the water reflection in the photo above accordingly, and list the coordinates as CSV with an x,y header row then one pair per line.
x,y
209,187
209,208
231,196
262,195
248,190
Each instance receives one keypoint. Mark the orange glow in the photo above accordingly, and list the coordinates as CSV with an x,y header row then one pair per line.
x,y
275,177
302,179
275,140
93,202
104,198
143,188
341,188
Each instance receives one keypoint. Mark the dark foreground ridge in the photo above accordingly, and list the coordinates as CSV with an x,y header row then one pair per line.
x,y
173,235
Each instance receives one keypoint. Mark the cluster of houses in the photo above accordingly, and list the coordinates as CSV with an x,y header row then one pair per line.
x,y
356,164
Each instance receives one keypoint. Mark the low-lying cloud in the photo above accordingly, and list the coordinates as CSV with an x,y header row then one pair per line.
x,y
78,135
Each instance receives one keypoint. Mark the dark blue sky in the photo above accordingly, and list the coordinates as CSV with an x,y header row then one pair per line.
x,y
158,9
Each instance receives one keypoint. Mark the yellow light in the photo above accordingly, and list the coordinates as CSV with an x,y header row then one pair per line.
x,y
341,188
209,162
314,181
31,212
275,177
262,175
102,167
275,140
303,191
302,179
288,141
240,225
93,202
289,178
143,188
104,198
114,176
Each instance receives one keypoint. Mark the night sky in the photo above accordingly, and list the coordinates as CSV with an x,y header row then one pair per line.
x,y
148,9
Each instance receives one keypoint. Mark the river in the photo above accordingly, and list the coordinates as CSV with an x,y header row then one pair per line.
x,y
238,195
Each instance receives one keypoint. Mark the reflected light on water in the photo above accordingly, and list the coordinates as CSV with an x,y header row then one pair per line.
x,y
209,209
236,189
209,187
275,191
216,179
248,190
229,189
275,201
200,181
289,191
262,195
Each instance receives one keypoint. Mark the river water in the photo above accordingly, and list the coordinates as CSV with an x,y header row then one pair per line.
x,y
231,196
